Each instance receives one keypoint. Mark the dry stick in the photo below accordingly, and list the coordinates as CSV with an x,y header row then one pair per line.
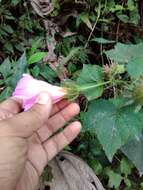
x,y
101,46
117,32
91,33
55,63
118,28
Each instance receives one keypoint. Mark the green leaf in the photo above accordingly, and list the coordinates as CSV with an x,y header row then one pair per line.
x,y
85,18
102,41
131,5
125,167
129,54
116,8
134,151
1,82
18,69
135,16
35,45
9,47
8,29
35,71
48,74
123,18
5,68
114,179
114,126
128,183
90,76
5,93
15,2
124,53
95,165
36,57
135,67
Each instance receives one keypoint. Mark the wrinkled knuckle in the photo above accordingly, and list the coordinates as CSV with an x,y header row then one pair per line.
x,y
56,146
67,137
37,115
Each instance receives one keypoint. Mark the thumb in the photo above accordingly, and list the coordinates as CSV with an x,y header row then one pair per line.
x,y
26,123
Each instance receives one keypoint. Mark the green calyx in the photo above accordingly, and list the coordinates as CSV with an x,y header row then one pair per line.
x,y
74,90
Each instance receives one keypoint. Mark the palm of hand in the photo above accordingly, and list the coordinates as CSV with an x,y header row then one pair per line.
x,y
32,155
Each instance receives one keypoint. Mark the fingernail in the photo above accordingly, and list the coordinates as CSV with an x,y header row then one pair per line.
x,y
43,99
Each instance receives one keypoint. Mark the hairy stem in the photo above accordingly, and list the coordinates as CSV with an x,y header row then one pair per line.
x,y
83,88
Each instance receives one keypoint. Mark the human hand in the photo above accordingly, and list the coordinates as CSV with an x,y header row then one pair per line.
x,y
26,144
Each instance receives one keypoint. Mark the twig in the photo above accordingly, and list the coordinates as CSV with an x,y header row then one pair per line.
x,y
91,33
117,32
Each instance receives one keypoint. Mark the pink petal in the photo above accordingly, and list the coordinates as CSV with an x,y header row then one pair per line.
x,y
28,89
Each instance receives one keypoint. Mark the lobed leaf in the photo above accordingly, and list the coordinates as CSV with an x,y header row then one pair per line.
x,y
114,126
129,54
123,53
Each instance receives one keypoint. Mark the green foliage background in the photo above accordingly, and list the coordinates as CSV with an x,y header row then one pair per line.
x,y
105,32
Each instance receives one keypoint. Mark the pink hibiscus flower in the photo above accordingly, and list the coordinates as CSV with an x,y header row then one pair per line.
x,y
29,88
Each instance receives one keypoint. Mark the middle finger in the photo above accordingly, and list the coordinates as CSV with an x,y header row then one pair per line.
x,y
58,121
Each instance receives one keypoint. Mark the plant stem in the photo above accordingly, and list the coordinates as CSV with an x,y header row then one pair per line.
x,y
98,16
83,88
